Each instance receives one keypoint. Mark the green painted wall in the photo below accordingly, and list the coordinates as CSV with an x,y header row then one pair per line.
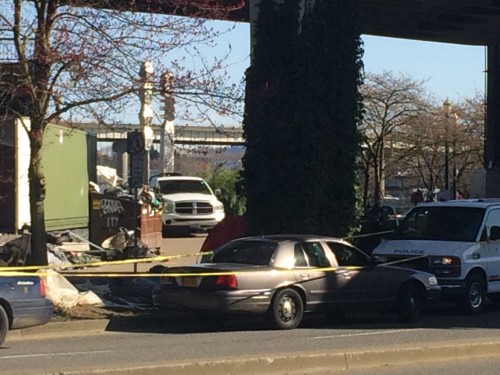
x,y
66,172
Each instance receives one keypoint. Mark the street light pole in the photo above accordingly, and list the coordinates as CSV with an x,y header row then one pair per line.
x,y
146,112
167,153
452,194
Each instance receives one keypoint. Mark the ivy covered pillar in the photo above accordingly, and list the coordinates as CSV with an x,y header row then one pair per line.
x,y
492,126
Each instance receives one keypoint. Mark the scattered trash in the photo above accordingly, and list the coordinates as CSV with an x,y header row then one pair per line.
x,y
63,294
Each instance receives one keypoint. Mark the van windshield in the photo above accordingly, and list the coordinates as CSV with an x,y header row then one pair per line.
x,y
441,224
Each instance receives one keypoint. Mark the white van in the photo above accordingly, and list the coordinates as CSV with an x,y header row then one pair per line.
x,y
458,241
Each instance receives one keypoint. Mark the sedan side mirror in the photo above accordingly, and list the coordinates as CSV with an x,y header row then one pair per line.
x,y
376,260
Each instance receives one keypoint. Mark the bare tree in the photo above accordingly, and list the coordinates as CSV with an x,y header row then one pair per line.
x,y
391,104
433,134
81,63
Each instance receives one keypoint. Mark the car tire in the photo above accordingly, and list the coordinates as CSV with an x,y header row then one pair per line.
x,y
473,298
286,310
409,303
4,324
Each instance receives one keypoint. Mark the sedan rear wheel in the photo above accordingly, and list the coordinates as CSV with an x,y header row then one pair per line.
x,y
4,324
286,310
409,303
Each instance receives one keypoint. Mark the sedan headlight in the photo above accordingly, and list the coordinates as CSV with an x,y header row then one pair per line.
x,y
433,280
168,206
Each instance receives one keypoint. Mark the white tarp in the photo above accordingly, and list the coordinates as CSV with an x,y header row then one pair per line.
x,y
63,294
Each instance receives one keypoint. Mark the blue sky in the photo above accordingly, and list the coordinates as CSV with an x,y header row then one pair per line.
x,y
452,71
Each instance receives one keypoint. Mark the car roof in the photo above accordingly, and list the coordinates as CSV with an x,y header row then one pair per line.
x,y
170,178
294,237
477,203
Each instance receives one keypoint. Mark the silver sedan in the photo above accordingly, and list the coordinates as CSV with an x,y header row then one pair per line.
x,y
284,276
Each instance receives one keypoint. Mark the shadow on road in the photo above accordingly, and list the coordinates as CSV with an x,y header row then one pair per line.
x,y
442,316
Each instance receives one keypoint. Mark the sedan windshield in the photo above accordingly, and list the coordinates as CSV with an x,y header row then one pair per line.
x,y
184,186
257,253
441,224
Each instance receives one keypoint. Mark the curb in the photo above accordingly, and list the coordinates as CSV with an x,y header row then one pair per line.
x,y
60,328
314,363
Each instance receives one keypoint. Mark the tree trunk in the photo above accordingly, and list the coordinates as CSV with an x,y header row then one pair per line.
x,y
366,176
376,186
37,197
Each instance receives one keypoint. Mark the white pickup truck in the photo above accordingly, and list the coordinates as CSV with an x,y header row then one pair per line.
x,y
188,202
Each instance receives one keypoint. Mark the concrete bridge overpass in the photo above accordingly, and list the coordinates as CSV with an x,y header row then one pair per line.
x,y
472,22
183,134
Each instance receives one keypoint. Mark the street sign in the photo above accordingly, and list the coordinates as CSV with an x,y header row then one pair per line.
x,y
135,142
136,168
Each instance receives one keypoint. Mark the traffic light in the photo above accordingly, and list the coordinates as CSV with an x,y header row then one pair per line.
x,y
146,74
167,84
169,102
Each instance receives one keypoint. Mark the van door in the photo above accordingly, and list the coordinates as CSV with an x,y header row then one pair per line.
x,y
492,251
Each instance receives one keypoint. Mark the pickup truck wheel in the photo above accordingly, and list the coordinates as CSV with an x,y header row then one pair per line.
x,y
286,310
4,324
409,303
472,301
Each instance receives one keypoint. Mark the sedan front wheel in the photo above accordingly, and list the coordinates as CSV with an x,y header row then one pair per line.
x,y
409,303
286,310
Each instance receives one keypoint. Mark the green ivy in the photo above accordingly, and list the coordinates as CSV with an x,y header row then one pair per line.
x,y
302,110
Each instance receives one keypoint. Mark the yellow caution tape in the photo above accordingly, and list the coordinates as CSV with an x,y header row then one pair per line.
x,y
156,259
165,273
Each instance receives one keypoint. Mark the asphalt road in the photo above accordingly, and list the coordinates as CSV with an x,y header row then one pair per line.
x,y
173,338
177,338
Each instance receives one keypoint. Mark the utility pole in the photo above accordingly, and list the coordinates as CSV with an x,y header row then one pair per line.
x,y
146,112
167,153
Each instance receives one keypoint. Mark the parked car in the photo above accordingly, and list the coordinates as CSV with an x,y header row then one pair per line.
x,y
22,303
283,276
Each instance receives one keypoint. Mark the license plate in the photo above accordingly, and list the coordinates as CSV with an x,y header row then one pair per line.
x,y
189,282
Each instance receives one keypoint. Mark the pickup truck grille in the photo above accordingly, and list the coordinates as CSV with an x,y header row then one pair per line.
x,y
193,208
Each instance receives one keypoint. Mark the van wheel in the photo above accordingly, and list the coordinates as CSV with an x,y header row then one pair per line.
x,y
4,324
286,310
472,301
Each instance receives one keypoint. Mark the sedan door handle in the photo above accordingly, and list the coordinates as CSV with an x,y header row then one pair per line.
x,y
304,276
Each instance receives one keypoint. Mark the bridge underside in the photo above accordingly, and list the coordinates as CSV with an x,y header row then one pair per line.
x,y
465,22
471,22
